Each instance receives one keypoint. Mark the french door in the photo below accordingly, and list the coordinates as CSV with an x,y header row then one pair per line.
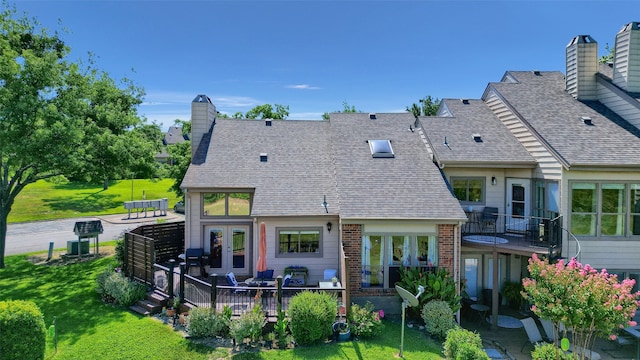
x,y
517,204
229,248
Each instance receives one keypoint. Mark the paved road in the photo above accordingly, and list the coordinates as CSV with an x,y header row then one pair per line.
x,y
35,236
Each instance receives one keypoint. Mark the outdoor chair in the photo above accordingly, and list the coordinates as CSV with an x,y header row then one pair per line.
x,y
549,331
488,218
330,274
231,281
194,258
286,280
532,331
266,275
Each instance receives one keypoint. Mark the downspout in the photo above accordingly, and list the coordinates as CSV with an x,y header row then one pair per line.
x,y
456,264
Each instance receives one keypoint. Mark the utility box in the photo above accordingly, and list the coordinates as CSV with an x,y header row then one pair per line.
x,y
74,245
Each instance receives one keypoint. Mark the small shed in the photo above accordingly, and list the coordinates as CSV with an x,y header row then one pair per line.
x,y
87,230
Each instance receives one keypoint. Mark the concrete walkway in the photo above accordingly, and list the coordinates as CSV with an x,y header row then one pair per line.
x,y
512,340
35,236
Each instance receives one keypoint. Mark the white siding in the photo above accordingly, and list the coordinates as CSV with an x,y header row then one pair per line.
x,y
599,252
619,105
582,66
548,167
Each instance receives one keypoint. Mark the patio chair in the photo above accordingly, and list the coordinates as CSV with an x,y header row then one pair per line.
x,y
488,218
532,331
549,331
330,274
286,280
266,275
231,281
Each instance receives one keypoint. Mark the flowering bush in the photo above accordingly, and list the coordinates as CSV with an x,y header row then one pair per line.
x,y
438,318
365,322
592,303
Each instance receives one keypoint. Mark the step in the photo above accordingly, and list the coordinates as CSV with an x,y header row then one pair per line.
x,y
151,307
157,298
140,310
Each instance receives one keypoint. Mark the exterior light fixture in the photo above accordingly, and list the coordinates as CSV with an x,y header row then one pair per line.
x,y
494,181
329,224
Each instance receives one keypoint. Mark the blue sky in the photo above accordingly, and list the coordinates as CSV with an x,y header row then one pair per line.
x,y
379,56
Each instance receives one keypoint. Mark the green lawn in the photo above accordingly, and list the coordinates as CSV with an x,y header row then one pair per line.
x,y
89,329
46,201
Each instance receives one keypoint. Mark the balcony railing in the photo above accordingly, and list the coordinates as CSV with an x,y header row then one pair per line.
x,y
172,281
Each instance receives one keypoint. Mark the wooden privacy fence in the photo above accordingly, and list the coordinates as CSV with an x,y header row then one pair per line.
x,y
151,244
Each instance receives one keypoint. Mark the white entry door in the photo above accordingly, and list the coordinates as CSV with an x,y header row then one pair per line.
x,y
518,208
229,248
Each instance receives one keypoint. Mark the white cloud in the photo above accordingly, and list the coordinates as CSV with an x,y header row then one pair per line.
x,y
303,87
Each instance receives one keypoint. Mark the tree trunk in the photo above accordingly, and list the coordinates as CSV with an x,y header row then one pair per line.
x,y
3,235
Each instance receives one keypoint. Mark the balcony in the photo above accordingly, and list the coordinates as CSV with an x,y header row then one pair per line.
x,y
522,235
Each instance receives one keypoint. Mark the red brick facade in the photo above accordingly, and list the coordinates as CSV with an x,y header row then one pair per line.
x,y
352,244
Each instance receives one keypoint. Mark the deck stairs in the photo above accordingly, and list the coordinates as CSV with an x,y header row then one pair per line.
x,y
153,304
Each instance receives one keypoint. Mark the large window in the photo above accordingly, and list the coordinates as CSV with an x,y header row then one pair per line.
x,y
299,242
382,256
468,190
600,209
226,204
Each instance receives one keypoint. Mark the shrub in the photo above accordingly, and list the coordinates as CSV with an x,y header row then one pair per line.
x,y
549,352
365,322
438,318
120,253
281,330
312,315
203,322
438,285
22,330
456,338
248,325
115,288
468,351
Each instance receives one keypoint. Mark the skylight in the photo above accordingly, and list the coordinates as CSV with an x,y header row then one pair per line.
x,y
381,148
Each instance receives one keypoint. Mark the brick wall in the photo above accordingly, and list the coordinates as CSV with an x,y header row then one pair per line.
x,y
352,244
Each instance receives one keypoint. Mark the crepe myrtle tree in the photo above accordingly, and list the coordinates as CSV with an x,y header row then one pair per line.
x,y
60,117
592,303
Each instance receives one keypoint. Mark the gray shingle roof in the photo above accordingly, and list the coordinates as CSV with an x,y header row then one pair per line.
x,y
297,175
408,186
498,147
556,117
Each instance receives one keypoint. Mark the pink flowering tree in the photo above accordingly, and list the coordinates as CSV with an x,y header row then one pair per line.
x,y
573,296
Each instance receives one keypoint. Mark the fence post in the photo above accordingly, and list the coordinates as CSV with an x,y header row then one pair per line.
x,y
214,290
172,264
183,267
279,282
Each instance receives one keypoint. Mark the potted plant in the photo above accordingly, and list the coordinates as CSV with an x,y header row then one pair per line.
x,y
334,280
511,290
173,306
341,330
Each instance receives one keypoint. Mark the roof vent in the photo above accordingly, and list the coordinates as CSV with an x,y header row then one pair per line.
x,y
263,157
536,72
477,138
267,122
372,116
586,120
465,101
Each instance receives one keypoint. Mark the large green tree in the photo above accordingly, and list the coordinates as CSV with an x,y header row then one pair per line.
x,y
180,158
346,108
428,107
267,111
60,117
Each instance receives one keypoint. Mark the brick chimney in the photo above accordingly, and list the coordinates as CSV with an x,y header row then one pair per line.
x,y
203,116
582,66
626,61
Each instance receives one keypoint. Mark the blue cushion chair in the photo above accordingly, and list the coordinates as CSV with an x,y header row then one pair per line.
x,y
266,275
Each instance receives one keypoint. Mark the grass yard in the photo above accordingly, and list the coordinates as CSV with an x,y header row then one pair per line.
x,y
48,201
90,329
